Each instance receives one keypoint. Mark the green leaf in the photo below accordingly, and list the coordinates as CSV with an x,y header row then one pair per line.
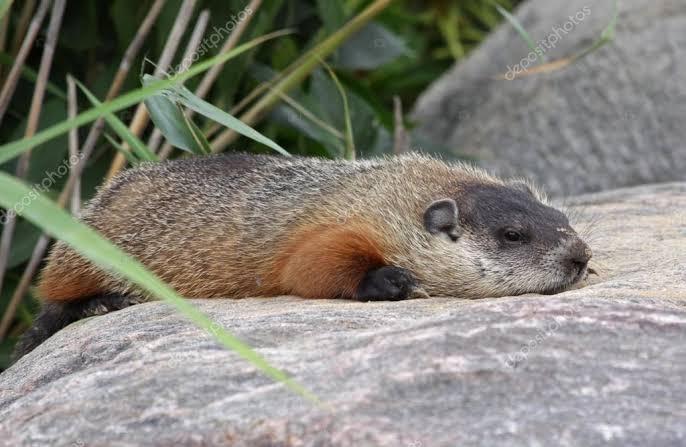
x,y
171,121
11,150
184,96
139,148
320,120
332,14
374,45
291,117
297,115
87,242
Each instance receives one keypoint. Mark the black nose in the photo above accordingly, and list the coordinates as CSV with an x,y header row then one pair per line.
x,y
578,265
579,255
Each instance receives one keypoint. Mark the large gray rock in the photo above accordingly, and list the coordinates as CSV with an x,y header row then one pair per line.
x,y
600,365
614,118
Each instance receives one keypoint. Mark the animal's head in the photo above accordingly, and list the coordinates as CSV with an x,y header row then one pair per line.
x,y
503,239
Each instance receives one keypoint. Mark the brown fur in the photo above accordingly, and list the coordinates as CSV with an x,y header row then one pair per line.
x,y
325,262
66,284
239,225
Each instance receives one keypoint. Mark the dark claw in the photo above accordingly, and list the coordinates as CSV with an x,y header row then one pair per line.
x,y
386,283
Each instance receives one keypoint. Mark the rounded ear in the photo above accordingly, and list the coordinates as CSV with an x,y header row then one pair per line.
x,y
440,218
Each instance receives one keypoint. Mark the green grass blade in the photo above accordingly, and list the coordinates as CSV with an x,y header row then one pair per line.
x,y
10,150
521,31
606,36
142,151
302,110
349,153
130,157
184,96
609,31
198,136
61,225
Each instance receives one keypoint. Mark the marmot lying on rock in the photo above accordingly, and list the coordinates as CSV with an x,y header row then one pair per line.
x,y
242,225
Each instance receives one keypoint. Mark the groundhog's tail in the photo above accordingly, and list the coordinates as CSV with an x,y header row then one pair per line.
x,y
55,315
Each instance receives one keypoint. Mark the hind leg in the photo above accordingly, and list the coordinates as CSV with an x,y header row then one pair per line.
x,y
56,315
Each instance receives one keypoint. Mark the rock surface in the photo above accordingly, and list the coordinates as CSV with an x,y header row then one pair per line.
x,y
600,365
612,119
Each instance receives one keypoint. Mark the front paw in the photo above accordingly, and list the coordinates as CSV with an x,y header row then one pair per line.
x,y
388,283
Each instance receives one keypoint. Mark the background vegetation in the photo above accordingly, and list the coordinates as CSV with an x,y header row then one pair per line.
x,y
396,54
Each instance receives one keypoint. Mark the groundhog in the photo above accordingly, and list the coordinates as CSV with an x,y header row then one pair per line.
x,y
242,225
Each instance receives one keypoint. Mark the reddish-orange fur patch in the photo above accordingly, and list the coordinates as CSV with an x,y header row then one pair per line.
x,y
70,282
326,262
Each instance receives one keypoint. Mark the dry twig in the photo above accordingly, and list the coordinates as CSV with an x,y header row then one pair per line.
x,y
401,140
4,24
72,106
15,72
22,24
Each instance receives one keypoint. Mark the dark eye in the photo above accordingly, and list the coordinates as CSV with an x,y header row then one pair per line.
x,y
512,236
